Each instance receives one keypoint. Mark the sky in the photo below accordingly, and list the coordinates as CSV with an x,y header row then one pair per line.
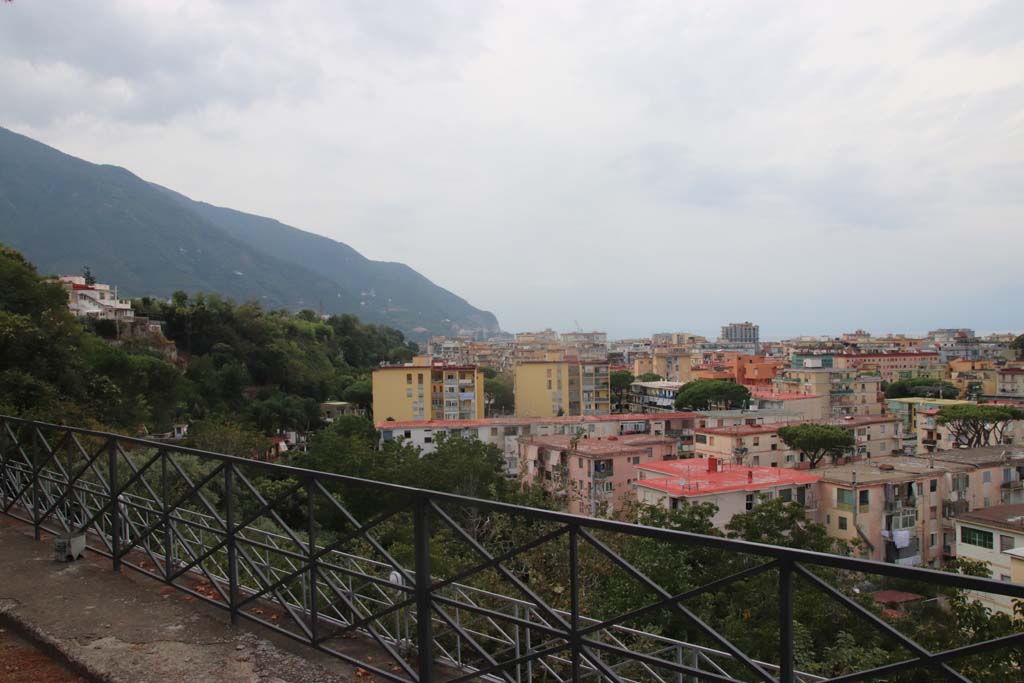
x,y
633,167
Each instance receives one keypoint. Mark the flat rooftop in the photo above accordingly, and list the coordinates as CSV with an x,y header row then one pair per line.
x,y
851,422
985,455
1010,517
875,470
691,477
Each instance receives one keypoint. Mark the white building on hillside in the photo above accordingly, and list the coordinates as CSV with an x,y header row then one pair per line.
x,y
95,300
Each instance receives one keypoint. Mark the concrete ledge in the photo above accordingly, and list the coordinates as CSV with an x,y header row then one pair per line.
x,y
128,628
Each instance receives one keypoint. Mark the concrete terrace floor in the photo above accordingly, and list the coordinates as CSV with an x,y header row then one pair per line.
x,y
129,628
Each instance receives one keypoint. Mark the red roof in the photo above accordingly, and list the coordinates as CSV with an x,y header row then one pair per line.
x,y
891,597
75,285
683,478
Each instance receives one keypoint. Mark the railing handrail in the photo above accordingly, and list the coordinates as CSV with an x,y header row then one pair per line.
x,y
689,538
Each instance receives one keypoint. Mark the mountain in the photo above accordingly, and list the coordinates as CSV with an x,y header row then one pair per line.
x,y
64,213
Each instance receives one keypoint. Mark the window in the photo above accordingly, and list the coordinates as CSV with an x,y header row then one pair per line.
x,y
931,540
986,477
786,494
775,446
842,523
408,378
971,536
933,485
844,497
757,441
408,393
428,439
750,501
864,495
1005,578
494,431
1005,543
636,459
1007,475
419,379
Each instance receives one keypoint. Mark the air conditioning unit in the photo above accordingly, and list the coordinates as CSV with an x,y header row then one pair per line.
x,y
68,548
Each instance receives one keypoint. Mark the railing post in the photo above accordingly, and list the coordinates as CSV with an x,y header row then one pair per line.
x,y
4,475
229,519
168,537
424,628
115,504
314,608
574,600
786,621
36,470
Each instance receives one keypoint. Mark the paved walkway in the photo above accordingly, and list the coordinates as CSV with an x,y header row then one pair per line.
x,y
128,628
23,662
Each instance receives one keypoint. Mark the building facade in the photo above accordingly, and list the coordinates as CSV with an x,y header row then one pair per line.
x,y
733,489
553,388
428,389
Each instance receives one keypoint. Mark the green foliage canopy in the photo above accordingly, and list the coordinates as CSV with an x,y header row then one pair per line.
x,y
703,394
816,441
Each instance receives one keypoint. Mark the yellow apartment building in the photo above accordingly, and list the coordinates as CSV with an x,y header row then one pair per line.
x,y
550,388
428,389
973,377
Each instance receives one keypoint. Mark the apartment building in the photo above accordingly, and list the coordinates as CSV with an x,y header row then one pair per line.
x,y
994,535
586,346
806,406
95,300
973,377
653,397
1010,383
908,409
933,437
891,505
734,489
593,476
428,389
672,364
894,366
849,392
551,388
758,445
741,333
919,497
505,432
742,368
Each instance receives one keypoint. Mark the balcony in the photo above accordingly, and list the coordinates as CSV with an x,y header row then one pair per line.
x,y
953,508
1013,485
474,620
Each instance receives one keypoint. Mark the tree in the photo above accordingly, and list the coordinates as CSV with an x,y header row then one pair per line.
x,y
650,377
703,394
498,396
360,392
1018,346
816,441
489,373
230,438
620,381
977,425
781,522
924,387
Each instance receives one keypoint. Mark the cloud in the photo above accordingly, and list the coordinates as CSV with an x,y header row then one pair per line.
x,y
636,167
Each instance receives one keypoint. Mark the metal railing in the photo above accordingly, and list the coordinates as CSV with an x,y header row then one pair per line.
x,y
205,524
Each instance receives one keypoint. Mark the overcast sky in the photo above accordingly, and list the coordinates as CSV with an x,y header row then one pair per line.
x,y
634,166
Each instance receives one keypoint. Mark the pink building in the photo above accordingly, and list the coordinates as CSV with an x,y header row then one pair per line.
x,y
734,489
594,475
